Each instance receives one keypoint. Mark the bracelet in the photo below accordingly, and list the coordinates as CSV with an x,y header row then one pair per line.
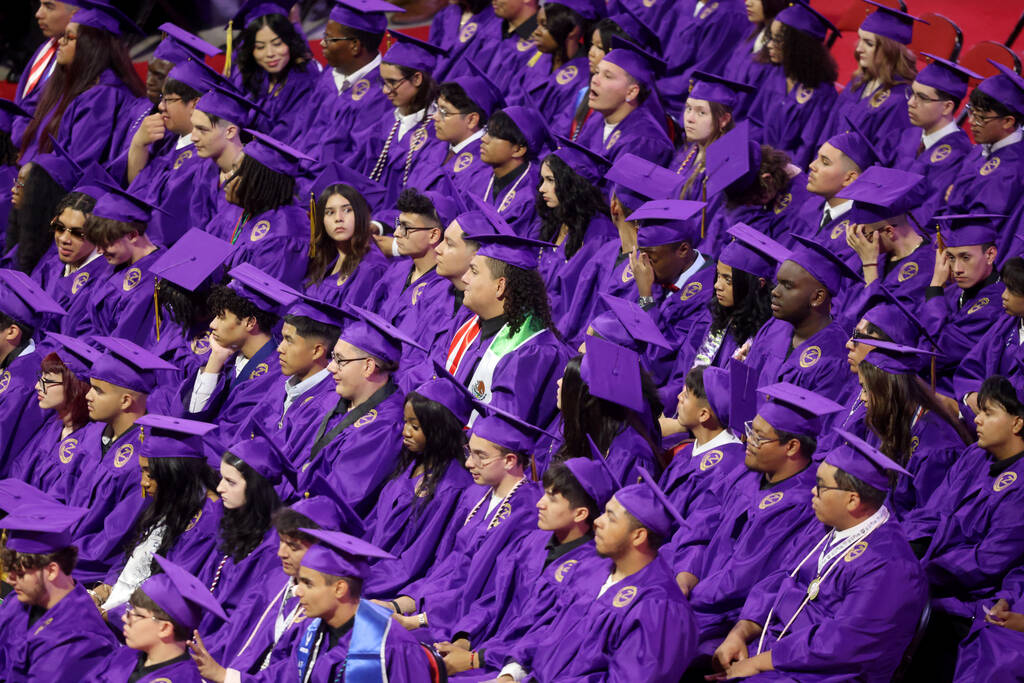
x,y
394,604
869,265
423,620
472,660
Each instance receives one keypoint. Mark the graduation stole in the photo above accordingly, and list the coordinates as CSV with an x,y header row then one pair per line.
x,y
255,366
503,343
365,660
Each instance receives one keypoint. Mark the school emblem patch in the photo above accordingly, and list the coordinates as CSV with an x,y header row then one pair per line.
x,y
192,522
624,596
990,165
523,45
259,231
417,291
365,419
66,453
690,289
567,74
360,88
124,455
627,273
978,306
908,271
261,369
770,499
914,443
506,201
650,3
131,279
612,139
79,282
43,625
1004,481
783,203
200,345
879,97
708,10
856,551
949,191
810,356
5,380
803,94
418,138
564,569
940,153
840,229
710,459
462,161
182,158
468,31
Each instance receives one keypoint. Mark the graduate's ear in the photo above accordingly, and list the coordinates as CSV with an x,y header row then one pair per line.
x,y
518,151
417,79
499,288
319,351
579,515
633,92
165,631
819,297
705,415
51,572
341,590
473,120
231,132
250,324
683,250
990,255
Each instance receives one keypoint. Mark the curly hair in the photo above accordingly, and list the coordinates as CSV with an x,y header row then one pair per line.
x,y
445,447
13,562
260,189
763,191
525,295
182,485
252,72
288,522
28,226
894,64
806,59
578,203
750,310
185,307
1012,275
96,51
242,529
561,20
74,407
457,96
224,298
584,414
324,248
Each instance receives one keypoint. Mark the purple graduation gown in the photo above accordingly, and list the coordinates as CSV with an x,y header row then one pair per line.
x,y
792,118
400,298
862,620
357,288
66,641
231,581
71,291
473,545
818,364
906,278
990,652
552,91
608,272
562,274
338,121
47,458
20,415
403,155
998,352
744,67
879,116
939,163
641,628
288,427
281,105
121,664
684,164
411,531
276,241
989,185
639,133
464,169
122,304
462,40
516,202
509,53
691,481
675,314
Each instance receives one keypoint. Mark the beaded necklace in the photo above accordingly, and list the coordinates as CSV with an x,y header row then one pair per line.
x,y
509,194
504,504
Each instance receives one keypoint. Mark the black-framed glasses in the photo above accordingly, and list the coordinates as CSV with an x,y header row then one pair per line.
x,y
776,38
340,361
59,229
405,228
170,99
981,118
920,97
47,383
326,40
391,85
755,439
818,488
859,337
132,615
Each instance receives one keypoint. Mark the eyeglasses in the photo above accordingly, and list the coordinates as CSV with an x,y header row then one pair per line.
x,y
914,95
444,113
405,228
327,41
170,99
818,488
470,455
340,361
67,37
391,85
132,615
755,439
59,229
859,337
47,383
975,116
774,38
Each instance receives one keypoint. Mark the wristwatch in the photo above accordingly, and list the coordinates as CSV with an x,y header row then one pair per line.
x,y
645,301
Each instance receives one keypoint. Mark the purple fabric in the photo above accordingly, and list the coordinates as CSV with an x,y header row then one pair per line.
x,y
563,275
370,146
283,105
516,202
400,299
990,652
244,640
337,122
608,272
122,304
237,579
121,663
358,288
939,163
276,242
877,117
20,415
997,352
743,68
985,185
639,133
907,279
553,92
70,291
691,482
464,169
48,458
792,119
462,42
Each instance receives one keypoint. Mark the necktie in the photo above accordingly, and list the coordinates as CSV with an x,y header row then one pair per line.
x,y
920,148
825,219
449,155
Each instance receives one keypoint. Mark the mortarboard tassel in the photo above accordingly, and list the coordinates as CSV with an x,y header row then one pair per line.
x,y
227,49
704,209
312,225
156,307
533,467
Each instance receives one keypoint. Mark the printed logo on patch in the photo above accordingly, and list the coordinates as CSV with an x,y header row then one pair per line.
x,y
856,551
879,97
810,356
624,596
468,31
79,282
940,153
783,203
523,45
365,419
463,161
708,10
131,279
200,345
710,459
990,165
803,94
506,201
261,369
564,569
627,273
124,455
66,453
417,291
770,499
192,522
259,231
840,229
690,290
182,158
978,306
567,74
612,139
360,88
1004,481
908,271
5,381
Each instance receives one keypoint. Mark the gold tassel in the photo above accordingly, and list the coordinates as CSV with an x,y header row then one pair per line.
x,y
312,226
227,49
704,209
156,307
933,374
533,467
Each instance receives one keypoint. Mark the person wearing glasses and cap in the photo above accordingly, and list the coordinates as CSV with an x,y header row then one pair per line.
x,y
49,627
637,625
969,534
850,606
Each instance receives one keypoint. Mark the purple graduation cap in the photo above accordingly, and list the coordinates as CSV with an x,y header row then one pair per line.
x,y
105,17
163,436
584,162
336,172
668,221
856,146
806,19
626,323
880,194
22,299
120,205
891,23
14,493
126,364
637,31
901,324
184,597
743,394
261,452
859,459
375,335
719,392
635,181
265,292
59,165
591,10
363,15
705,86
339,554
635,60
251,10
443,388
317,311
8,112
968,230
649,505
482,219
821,264
612,373
733,161
1006,87
898,359
753,252
196,74
594,476
76,355
225,103
792,409
41,525
193,259
94,181
327,509
447,200
521,252
946,76
412,53
530,123
276,155
502,428
479,88
179,45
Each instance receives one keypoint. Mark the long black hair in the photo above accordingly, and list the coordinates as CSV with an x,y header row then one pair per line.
x,y
750,310
29,226
323,249
182,485
585,414
189,309
525,295
242,529
806,59
561,20
252,73
261,189
578,203
446,445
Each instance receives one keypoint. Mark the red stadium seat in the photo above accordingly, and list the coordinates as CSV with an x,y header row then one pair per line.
x,y
853,16
976,59
940,37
